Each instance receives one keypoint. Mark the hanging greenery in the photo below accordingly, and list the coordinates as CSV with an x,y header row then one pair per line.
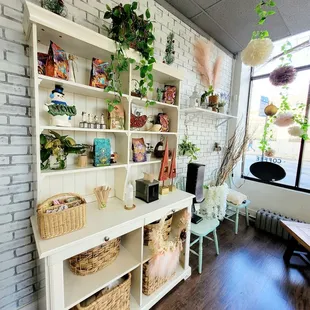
x,y
130,30
169,57
260,47
55,6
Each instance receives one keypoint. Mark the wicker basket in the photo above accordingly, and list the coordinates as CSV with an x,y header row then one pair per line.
x,y
95,259
57,224
151,284
166,230
117,298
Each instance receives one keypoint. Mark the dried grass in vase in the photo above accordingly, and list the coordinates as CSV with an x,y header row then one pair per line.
x,y
235,148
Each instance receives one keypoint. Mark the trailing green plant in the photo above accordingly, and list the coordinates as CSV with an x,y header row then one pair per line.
x,y
54,144
264,143
169,57
301,120
264,9
130,30
55,6
189,149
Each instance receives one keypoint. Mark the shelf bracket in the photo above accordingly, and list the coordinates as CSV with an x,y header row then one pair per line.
x,y
221,123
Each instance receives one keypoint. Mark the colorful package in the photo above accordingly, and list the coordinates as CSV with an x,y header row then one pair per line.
x,y
57,63
98,75
42,60
163,120
117,118
139,150
102,152
170,93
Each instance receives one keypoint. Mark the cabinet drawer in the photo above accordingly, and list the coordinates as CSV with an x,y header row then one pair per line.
x,y
95,240
158,214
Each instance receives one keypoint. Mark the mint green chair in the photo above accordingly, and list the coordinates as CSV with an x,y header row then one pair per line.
x,y
234,210
201,230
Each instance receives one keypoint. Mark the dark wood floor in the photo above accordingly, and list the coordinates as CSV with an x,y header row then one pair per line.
x,y
249,273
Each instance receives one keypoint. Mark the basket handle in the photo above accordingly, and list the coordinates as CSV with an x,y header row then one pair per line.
x,y
39,207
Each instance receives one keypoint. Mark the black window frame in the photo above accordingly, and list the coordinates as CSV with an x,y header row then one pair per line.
x,y
302,142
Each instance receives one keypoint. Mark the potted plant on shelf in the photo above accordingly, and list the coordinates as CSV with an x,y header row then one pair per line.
x,y
130,30
55,148
189,149
223,102
209,72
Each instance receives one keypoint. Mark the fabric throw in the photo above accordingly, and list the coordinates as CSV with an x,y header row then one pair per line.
x,y
235,197
214,205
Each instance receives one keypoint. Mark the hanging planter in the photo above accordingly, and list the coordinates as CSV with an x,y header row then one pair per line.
x,y
271,110
283,76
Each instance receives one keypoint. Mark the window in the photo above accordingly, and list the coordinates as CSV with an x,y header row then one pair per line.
x,y
292,153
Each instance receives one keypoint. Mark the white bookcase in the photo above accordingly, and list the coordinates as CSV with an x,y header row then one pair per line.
x,y
64,289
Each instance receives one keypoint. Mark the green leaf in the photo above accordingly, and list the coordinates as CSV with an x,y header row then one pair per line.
x,y
134,5
127,8
271,13
131,60
136,67
147,13
150,68
107,15
272,3
116,13
108,8
262,21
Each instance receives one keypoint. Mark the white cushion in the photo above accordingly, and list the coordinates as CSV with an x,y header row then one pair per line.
x,y
236,197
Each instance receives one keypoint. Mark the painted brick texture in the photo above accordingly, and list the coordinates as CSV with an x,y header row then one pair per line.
x,y
18,280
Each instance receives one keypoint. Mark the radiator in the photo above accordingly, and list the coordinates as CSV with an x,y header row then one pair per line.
x,y
270,222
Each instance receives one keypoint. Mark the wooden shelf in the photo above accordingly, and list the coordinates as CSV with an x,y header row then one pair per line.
x,y
78,288
211,114
75,169
76,88
152,132
55,128
158,105
151,162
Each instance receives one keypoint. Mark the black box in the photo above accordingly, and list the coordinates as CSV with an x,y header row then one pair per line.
x,y
147,191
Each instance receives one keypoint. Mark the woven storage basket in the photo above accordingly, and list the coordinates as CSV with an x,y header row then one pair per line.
x,y
95,259
57,224
151,284
117,298
166,230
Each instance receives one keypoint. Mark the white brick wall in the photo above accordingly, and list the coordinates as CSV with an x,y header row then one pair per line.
x,y
18,281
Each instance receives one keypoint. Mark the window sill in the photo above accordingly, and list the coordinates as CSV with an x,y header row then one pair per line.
x,y
297,189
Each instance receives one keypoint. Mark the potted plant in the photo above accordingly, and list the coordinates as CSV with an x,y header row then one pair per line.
x,y
223,102
55,148
209,72
187,148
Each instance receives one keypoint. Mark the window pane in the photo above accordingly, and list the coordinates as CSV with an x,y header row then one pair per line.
x,y
300,58
286,147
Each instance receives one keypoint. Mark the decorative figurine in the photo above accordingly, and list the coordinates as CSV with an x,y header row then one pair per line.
x,y
148,152
73,68
60,112
117,118
170,93
102,152
173,171
129,205
159,93
164,172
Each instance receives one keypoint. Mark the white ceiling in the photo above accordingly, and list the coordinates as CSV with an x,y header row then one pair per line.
x,y
231,22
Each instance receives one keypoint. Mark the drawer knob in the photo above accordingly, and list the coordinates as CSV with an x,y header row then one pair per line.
x,y
106,238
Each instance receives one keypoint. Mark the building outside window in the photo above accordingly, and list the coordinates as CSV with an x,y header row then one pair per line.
x,y
292,153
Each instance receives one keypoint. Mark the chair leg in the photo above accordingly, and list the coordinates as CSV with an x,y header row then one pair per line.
x,y
237,221
200,255
247,216
216,242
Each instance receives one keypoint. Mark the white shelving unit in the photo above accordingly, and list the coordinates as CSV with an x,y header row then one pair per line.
x,y
64,289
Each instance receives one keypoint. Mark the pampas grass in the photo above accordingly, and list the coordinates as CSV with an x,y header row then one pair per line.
x,y
283,76
210,74
257,52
